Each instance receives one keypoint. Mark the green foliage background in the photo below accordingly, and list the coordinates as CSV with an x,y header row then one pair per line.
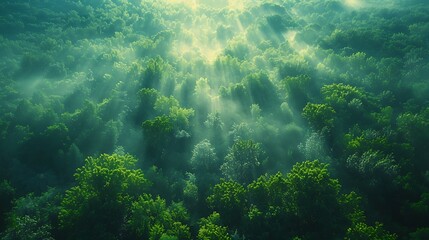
x,y
173,119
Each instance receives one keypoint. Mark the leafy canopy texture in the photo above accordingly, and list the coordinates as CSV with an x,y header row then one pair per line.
x,y
211,229
243,161
153,219
304,203
98,205
228,199
110,201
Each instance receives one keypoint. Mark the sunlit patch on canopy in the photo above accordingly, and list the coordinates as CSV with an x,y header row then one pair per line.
x,y
193,4
228,4
301,48
354,3
237,5
198,40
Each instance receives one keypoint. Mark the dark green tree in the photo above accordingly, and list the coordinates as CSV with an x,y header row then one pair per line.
x,y
361,231
152,219
7,194
316,201
34,217
228,198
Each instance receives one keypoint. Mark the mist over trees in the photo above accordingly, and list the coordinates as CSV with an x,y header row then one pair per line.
x,y
203,119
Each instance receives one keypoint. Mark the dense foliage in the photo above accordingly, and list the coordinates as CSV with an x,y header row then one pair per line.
x,y
214,119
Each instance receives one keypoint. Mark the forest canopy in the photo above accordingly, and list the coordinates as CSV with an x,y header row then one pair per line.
x,y
214,119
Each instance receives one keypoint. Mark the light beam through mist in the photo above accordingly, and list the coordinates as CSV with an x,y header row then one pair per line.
x,y
354,3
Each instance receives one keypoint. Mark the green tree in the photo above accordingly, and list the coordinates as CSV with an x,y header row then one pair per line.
x,y
261,90
163,104
376,168
270,215
316,198
205,165
159,134
297,89
215,127
204,159
361,231
7,194
414,129
25,227
320,116
344,97
228,198
152,219
243,163
153,74
212,229
270,191
167,136
145,107
98,205
34,217
306,203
